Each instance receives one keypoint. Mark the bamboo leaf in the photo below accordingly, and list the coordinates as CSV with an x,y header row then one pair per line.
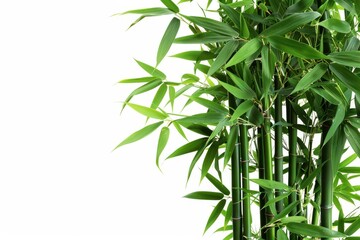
x,y
163,139
228,215
188,147
195,55
346,77
149,112
203,38
223,56
179,129
313,230
230,144
167,39
348,58
268,68
215,214
353,136
243,108
170,5
295,48
281,235
204,195
315,74
353,227
151,70
232,14
138,80
139,134
347,161
209,158
159,96
299,6
209,118
347,4
212,25
219,185
241,84
242,93
290,219
339,118
274,200
336,25
270,184
172,96
284,212
245,51
307,181
255,116
211,105
149,11
290,23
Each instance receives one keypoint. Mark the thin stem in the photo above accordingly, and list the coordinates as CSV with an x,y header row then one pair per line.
x,y
262,198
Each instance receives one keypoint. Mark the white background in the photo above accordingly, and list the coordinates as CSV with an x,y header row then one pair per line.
x,y
60,103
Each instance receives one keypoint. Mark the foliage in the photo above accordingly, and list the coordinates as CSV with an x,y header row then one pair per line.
x,y
273,76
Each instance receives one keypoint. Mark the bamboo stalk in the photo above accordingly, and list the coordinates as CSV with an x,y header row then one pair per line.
x,y
262,198
245,181
278,144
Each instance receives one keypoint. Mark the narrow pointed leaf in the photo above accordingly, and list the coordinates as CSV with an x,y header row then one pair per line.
x,y
163,139
151,70
299,6
336,25
232,14
348,78
243,93
149,112
219,185
209,118
347,4
212,25
270,184
211,105
353,227
149,11
138,80
139,134
209,158
313,230
159,96
167,39
245,51
223,56
290,23
243,108
353,136
230,144
348,58
170,5
268,68
195,55
215,214
281,235
188,147
290,219
228,215
295,48
179,129
203,38
204,195
315,74
338,119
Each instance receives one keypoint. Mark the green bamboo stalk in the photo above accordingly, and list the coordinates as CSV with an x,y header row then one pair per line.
x,y
315,214
245,181
278,144
235,180
262,198
268,166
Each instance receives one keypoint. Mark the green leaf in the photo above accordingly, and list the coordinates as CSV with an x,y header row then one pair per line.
x,y
230,144
347,4
151,70
348,58
290,219
211,105
299,6
347,161
268,68
228,215
255,116
221,187
195,55
295,48
203,38
223,56
179,129
149,112
315,74
336,25
209,158
167,39
159,96
270,184
170,5
243,108
353,227
241,93
245,51
163,139
188,147
290,23
346,77
338,119
204,195
215,214
232,14
313,230
140,134
241,84
274,200
285,211
138,80
353,136
209,118
281,235
149,11
172,96
212,25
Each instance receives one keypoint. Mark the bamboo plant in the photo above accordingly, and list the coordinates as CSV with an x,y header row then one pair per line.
x,y
280,84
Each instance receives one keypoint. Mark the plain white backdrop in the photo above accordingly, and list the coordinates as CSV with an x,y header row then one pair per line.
x,y
60,119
